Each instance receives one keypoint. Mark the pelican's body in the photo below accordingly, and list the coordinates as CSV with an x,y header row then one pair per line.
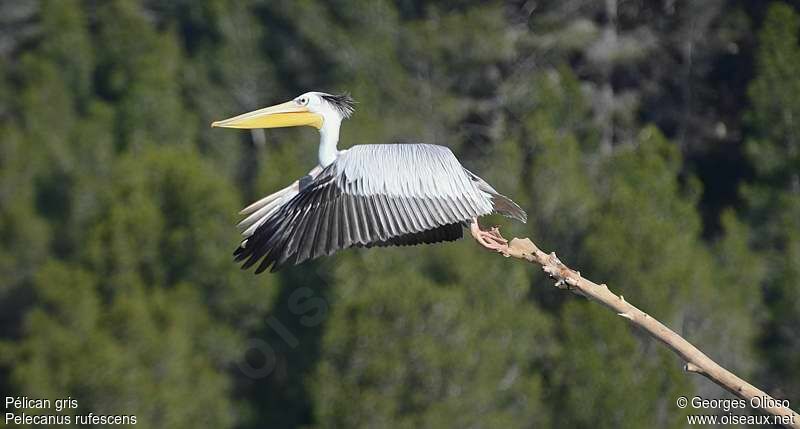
x,y
368,195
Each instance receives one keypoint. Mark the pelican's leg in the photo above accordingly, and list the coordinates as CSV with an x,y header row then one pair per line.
x,y
490,239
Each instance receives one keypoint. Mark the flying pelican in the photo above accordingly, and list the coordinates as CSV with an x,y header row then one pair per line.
x,y
368,195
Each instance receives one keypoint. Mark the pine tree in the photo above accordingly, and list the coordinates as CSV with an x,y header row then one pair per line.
x,y
774,196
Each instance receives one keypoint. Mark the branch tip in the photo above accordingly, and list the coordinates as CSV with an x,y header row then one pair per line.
x,y
696,361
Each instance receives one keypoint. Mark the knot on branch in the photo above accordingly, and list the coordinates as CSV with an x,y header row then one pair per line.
x,y
565,278
690,367
523,248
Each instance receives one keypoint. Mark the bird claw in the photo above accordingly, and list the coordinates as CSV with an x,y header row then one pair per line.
x,y
495,233
491,239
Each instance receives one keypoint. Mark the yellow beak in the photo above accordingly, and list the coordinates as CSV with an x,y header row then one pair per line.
x,y
287,114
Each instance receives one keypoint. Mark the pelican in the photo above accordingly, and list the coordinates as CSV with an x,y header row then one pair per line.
x,y
365,196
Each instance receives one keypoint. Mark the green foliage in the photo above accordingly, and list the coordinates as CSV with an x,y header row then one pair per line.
x,y
774,195
22,232
139,69
136,354
647,233
776,149
118,202
456,349
66,42
610,379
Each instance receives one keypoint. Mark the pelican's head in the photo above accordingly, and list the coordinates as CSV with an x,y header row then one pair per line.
x,y
315,109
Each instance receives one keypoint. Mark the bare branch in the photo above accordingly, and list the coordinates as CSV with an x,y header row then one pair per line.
x,y
696,361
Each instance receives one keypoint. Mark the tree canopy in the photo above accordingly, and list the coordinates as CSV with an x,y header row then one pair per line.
x,y
655,145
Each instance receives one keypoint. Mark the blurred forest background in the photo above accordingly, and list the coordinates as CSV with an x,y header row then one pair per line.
x,y
654,144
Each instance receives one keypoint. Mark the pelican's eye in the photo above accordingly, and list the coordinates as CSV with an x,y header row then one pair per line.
x,y
303,101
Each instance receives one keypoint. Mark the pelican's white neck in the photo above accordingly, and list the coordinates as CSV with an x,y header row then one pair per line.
x,y
328,138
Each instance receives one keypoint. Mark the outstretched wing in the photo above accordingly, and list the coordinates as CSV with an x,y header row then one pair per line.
x,y
372,195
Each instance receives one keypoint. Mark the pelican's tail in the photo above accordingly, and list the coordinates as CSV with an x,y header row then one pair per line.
x,y
500,203
508,208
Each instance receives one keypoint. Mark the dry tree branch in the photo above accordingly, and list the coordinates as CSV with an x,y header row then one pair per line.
x,y
696,361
